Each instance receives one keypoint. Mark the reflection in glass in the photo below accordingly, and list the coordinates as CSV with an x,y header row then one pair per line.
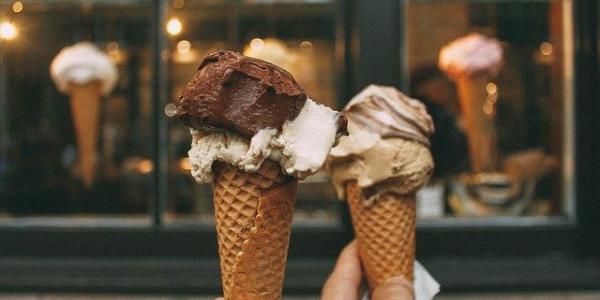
x,y
59,154
299,37
500,139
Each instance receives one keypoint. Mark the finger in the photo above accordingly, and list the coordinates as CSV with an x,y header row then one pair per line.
x,y
220,298
344,281
395,288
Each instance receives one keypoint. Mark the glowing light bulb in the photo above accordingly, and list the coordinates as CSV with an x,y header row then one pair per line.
x,y
184,46
257,44
17,7
112,48
8,31
306,45
546,48
491,88
174,26
178,3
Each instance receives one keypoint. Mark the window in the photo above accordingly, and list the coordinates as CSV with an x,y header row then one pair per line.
x,y
143,217
78,153
504,142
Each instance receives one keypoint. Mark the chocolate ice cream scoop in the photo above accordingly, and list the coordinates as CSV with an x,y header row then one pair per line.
x,y
239,94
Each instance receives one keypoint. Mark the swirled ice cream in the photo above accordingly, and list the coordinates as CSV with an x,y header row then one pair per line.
x,y
471,55
83,63
387,149
243,111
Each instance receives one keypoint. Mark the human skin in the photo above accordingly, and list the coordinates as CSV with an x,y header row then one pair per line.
x,y
347,276
345,281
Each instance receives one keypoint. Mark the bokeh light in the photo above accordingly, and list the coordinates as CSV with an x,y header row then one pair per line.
x,y
8,31
174,26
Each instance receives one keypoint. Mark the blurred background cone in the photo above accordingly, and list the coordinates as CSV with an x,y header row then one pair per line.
x,y
85,108
479,121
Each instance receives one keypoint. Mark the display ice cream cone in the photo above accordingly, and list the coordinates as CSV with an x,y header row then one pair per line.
x,y
85,107
85,73
472,61
385,232
479,123
254,218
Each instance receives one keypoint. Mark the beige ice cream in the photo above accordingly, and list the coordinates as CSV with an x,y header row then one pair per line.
x,y
387,149
86,74
472,61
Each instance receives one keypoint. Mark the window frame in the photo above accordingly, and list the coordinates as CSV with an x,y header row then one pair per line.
x,y
114,255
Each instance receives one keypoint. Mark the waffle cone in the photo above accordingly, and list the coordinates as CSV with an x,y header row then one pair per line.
x,y
385,232
480,126
254,218
85,110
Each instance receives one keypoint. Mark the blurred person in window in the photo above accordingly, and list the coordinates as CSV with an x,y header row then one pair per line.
x,y
448,143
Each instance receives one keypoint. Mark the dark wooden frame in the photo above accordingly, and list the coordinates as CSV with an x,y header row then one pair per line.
x,y
160,258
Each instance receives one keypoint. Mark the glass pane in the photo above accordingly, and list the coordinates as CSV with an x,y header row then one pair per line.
x,y
77,142
288,34
503,145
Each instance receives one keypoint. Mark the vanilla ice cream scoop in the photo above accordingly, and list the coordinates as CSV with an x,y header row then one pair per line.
x,y
387,149
471,55
83,63
300,147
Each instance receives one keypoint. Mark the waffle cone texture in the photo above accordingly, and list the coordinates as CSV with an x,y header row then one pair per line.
x,y
254,216
480,127
385,232
85,108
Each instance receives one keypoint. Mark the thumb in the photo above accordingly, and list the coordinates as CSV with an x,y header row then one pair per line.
x,y
395,288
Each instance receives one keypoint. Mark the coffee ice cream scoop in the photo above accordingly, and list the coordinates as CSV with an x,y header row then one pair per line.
x,y
387,149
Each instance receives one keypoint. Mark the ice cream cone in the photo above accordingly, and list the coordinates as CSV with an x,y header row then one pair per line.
x,y
86,74
85,109
479,123
254,217
472,61
385,232
254,134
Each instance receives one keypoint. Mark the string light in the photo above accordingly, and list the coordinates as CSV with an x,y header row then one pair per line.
x,y
257,44
17,7
178,3
491,88
8,31
174,26
112,47
490,102
306,45
546,48
184,46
